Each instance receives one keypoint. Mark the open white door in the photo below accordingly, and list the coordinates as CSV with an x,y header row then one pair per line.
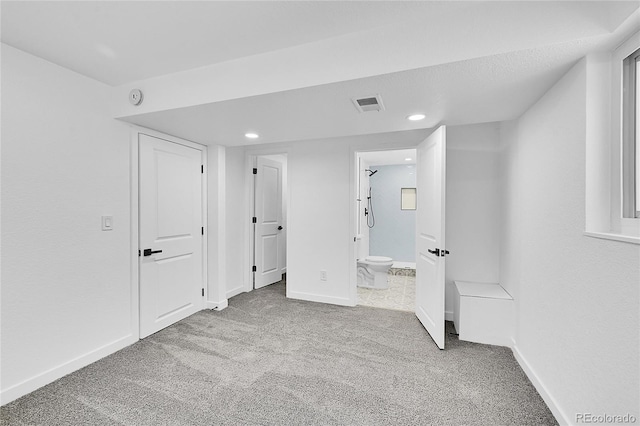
x,y
170,209
268,215
430,242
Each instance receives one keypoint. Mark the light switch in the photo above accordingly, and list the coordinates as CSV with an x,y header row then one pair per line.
x,y
107,223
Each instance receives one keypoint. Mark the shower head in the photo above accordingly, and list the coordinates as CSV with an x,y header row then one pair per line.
x,y
371,172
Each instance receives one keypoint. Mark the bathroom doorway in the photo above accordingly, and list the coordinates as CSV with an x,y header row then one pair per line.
x,y
386,229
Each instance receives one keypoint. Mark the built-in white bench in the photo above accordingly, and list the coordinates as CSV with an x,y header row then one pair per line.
x,y
483,313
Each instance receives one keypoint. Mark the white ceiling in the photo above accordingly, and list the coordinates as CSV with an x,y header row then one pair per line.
x,y
456,62
480,90
121,41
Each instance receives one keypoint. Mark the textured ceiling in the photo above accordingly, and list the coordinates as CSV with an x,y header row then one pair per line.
x,y
212,71
480,90
120,41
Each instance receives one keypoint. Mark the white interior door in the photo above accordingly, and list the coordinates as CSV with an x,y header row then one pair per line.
x,y
430,241
268,229
170,221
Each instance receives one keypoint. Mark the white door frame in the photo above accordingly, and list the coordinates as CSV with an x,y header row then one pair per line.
x,y
251,156
136,131
353,209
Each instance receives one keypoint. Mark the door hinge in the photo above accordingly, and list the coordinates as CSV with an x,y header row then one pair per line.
x,y
203,230
444,252
203,292
254,269
255,171
139,254
202,168
254,220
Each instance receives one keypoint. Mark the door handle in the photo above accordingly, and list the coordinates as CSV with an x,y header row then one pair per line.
x,y
279,228
436,252
149,252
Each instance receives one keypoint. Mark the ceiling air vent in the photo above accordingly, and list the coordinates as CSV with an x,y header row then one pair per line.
x,y
369,103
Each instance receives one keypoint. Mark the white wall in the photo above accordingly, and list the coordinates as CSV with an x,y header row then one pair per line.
x,y
577,297
321,228
216,228
66,291
236,216
472,206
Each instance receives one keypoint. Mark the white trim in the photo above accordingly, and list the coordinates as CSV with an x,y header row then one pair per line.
x,y
235,291
204,179
217,306
311,297
135,246
353,226
55,373
249,199
614,237
551,402
448,315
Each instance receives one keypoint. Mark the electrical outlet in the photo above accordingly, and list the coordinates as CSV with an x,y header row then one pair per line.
x,y
323,275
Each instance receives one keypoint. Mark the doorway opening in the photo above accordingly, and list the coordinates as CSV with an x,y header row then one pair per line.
x,y
430,190
386,229
269,220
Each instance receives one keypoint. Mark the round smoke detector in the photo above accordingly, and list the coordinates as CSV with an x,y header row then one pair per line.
x,y
135,97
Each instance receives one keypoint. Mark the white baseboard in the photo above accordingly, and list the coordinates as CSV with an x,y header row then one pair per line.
x,y
551,402
16,391
310,297
218,306
235,291
448,315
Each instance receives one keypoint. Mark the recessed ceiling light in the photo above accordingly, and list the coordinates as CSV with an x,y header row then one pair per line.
x,y
408,159
416,117
251,135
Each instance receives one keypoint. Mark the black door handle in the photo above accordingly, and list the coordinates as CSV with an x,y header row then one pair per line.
x,y
436,252
279,228
149,252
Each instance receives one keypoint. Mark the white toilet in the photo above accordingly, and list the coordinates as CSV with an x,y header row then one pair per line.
x,y
373,272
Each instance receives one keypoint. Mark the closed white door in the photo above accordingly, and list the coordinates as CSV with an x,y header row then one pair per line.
x,y
430,241
170,223
268,217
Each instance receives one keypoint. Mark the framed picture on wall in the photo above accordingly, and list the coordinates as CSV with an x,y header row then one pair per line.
x,y
408,198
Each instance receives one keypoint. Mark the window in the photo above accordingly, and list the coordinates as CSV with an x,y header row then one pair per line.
x,y
408,198
631,136
612,187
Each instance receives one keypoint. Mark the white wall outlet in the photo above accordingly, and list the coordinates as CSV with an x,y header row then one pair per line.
x,y
323,275
107,223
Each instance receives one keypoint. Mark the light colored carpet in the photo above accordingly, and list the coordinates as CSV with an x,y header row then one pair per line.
x,y
266,360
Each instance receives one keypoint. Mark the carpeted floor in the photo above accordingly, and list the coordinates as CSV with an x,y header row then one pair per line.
x,y
266,360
